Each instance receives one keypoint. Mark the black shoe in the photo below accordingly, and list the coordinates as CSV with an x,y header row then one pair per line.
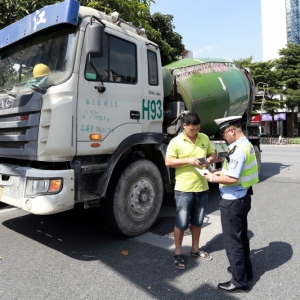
x,y
229,287
249,278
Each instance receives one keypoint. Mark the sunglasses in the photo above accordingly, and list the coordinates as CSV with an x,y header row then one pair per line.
x,y
229,153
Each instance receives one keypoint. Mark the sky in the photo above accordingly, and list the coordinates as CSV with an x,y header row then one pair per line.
x,y
229,29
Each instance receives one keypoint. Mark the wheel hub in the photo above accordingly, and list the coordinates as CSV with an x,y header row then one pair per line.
x,y
142,198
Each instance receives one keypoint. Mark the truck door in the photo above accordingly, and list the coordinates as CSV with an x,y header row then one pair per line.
x,y
115,113
152,103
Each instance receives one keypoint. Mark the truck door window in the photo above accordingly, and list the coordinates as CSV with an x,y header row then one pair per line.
x,y
152,68
118,63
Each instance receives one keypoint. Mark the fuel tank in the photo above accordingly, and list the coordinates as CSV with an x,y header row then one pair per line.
x,y
214,88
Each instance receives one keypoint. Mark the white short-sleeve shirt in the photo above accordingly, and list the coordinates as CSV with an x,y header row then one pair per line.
x,y
234,169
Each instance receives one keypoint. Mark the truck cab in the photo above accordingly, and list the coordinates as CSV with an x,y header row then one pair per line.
x,y
63,131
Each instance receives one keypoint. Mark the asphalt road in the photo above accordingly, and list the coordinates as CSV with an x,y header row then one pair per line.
x,y
71,255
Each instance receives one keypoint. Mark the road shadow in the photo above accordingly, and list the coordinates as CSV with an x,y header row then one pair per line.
x,y
214,198
164,225
79,235
270,169
269,258
263,259
216,244
213,203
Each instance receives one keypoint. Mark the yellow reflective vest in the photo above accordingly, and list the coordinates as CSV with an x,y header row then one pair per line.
x,y
249,175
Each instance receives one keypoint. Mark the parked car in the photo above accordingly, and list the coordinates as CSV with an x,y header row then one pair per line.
x,y
264,135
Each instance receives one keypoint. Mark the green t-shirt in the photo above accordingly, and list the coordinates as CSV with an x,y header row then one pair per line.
x,y
187,177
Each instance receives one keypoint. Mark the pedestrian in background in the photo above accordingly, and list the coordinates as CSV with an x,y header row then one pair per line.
x,y
239,173
191,189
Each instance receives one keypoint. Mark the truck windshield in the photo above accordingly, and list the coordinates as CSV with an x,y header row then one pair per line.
x,y
42,62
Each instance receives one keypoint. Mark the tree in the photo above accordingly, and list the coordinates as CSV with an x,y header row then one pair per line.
x,y
293,102
262,72
244,62
13,10
169,42
134,11
159,27
288,66
265,75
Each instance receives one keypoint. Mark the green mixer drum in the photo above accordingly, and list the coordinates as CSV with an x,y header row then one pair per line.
x,y
214,88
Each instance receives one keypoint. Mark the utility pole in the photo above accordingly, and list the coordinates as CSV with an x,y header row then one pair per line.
x,y
265,88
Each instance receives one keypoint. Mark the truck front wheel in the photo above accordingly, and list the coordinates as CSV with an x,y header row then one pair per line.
x,y
134,198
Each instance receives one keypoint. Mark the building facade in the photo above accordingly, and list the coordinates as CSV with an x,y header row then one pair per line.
x,y
293,21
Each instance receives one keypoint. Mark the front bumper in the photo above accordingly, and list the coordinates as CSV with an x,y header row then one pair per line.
x,y
13,183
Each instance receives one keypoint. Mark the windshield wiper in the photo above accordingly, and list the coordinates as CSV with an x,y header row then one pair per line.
x,y
39,89
9,93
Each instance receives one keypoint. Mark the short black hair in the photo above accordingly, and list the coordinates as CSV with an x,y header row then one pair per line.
x,y
192,119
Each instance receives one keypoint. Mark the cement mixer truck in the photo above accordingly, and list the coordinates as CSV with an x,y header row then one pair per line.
x,y
87,111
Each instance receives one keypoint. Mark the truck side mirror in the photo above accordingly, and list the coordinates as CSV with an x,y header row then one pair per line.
x,y
94,39
94,36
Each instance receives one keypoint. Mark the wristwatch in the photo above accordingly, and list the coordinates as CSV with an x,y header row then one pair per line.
x,y
212,179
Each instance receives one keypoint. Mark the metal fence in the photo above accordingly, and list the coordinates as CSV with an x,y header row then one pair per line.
x,y
275,141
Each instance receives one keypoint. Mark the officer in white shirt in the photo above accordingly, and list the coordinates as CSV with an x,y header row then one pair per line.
x,y
239,173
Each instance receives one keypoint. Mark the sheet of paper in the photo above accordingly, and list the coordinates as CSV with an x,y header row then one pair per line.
x,y
202,171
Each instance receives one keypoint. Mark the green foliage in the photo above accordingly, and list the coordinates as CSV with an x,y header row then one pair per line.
x,y
294,141
292,102
169,42
159,27
13,10
244,62
265,76
134,11
292,98
288,66
262,72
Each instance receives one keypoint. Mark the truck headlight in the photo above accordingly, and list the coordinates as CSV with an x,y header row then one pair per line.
x,y
41,186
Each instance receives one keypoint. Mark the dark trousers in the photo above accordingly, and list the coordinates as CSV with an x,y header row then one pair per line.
x,y
236,242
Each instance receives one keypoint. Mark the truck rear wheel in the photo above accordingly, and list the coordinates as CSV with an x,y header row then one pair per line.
x,y
135,197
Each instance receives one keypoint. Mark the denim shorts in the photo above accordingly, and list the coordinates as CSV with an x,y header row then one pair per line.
x,y
190,209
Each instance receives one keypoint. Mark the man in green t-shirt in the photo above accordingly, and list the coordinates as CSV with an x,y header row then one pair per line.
x,y
191,188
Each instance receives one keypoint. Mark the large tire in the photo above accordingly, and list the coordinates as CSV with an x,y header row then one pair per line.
x,y
134,198
258,158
